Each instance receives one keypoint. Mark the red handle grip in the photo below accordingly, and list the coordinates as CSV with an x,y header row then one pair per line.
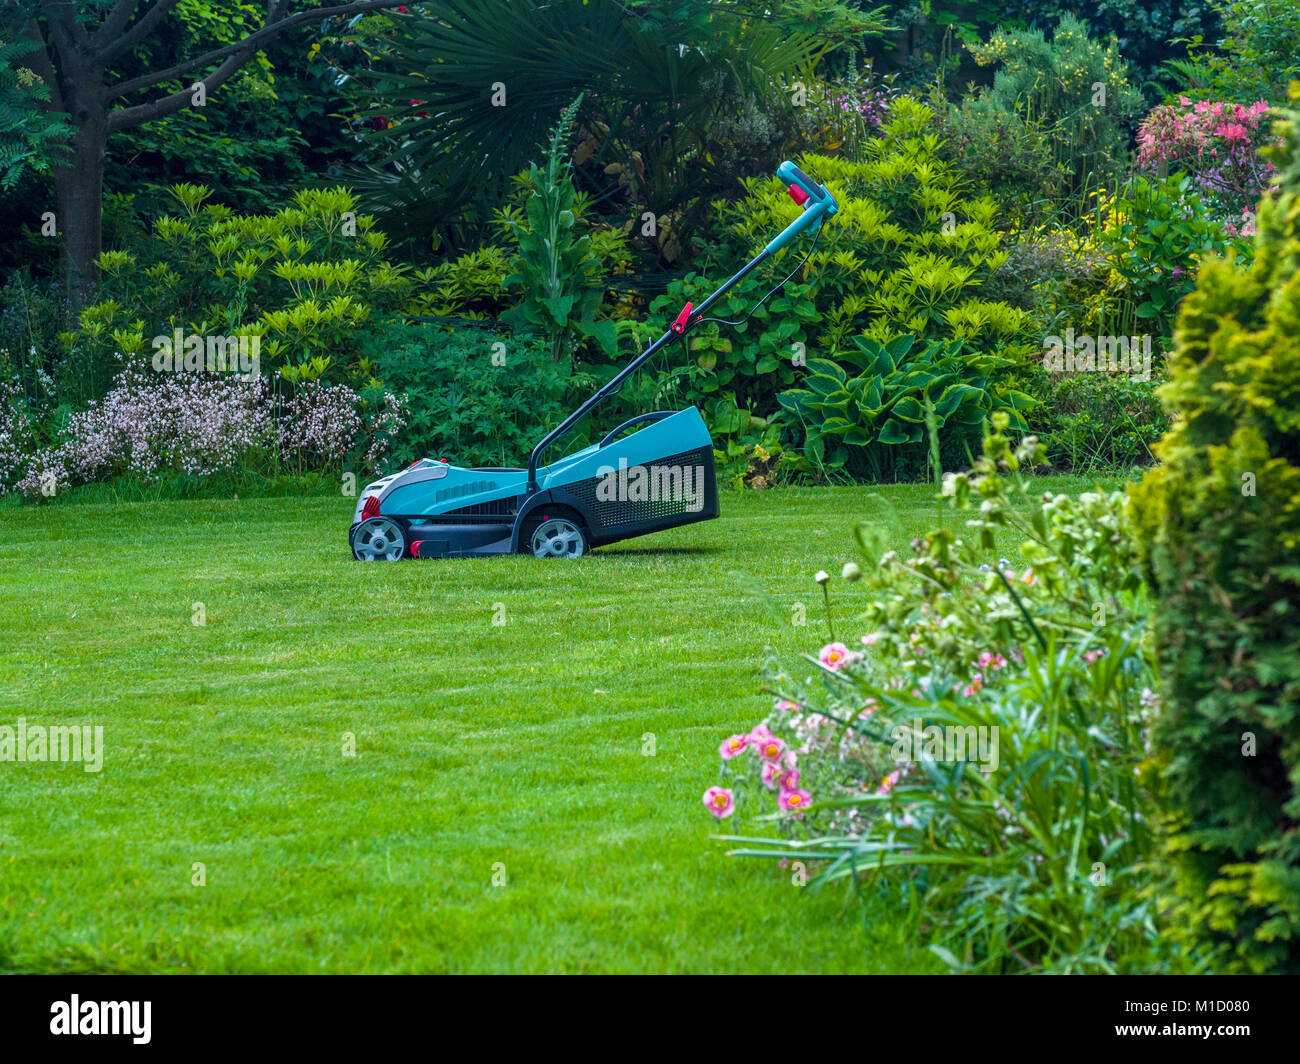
x,y
679,326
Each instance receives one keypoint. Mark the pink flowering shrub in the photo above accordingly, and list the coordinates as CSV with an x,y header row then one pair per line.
x,y
182,422
199,424
980,750
17,433
1218,145
321,425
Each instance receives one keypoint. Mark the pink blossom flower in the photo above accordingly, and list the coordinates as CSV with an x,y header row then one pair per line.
x,y
1092,655
203,423
794,800
889,782
786,706
973,688
771,774
989,660
871,639
868,708
834,655
720,802
759,733
789,779
771,748
737,744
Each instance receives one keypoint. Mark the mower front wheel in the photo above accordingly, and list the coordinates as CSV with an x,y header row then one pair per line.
x,y
379,539
555,536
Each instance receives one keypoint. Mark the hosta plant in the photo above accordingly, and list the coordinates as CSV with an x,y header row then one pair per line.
x,y
878,414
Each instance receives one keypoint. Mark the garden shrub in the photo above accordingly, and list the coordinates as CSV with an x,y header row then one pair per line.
x,y
473,396
1257,55
1053,82
907,255
1097,422
1149,32
1051,273
469,286
1219,521
1088,421
1120,270
1155,235
304,281
1217,144
1006,156
1036,864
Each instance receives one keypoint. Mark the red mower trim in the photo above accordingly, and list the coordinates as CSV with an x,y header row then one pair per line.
x,y
415,548
370,508
798,195
679,326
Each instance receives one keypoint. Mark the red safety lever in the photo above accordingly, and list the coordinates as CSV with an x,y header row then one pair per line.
x,y
798,195
679,326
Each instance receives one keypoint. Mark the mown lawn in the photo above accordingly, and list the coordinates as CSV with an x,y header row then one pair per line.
x,y
514,747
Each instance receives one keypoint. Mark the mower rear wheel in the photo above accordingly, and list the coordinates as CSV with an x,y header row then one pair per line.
x,y
558,537
379,539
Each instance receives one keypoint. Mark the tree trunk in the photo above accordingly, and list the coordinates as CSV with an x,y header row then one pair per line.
x,y
79,188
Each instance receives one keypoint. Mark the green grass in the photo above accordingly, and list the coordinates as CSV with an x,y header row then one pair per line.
x,y
477,745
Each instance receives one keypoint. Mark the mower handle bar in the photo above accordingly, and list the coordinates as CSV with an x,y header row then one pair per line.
x,y
817,207
791,174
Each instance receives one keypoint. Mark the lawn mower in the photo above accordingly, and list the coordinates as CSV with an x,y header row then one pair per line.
x,y
659,476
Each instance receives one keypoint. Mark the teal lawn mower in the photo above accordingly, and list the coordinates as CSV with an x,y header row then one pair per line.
x,y
629,484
